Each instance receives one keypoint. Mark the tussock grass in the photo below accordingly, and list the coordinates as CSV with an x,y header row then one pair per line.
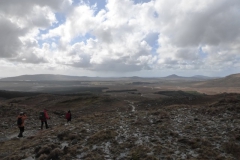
x,y
92,156
102,135
232,148
140,152
55,154
162,114
13,157
46,149
63,135
207,153
73,150
42,157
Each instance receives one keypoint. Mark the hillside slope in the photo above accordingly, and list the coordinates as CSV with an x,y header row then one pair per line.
x,y
228,81
44,77
106,127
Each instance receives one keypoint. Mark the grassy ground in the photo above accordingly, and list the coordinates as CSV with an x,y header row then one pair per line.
x,y
124,126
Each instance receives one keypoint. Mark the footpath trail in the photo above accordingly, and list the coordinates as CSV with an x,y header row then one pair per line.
x,y
26,134
131,104
32,127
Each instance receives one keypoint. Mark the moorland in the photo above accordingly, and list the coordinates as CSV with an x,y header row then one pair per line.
x,y
122,118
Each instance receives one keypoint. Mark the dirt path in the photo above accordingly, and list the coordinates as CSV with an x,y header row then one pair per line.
x,y
26,133
131,104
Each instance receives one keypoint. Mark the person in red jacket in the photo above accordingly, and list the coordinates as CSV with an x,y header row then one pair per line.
x,y
44,120
22,116
68,116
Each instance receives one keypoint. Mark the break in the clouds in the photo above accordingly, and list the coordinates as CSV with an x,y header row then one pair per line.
x,y
134,36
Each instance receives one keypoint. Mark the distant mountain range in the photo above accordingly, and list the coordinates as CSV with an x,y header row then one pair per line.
x,y
201,81
52,77
193,78
44,77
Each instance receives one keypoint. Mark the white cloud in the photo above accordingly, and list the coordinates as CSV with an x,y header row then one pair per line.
x,y
20,23
123,37
187,26
79,21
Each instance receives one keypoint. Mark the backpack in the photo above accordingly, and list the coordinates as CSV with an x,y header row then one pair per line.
x,y
41,115
19,121
68,116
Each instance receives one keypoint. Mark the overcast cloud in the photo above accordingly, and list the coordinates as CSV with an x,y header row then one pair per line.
x,y
119,38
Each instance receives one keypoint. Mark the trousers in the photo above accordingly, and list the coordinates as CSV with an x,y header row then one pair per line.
x,y
46,125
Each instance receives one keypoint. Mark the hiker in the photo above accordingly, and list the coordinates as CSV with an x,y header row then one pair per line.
x,y
20,122
43,117
68,116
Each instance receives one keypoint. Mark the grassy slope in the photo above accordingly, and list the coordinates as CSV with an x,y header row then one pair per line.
x,y
105,127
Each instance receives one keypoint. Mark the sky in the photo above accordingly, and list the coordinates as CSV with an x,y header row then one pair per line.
x,y
115,38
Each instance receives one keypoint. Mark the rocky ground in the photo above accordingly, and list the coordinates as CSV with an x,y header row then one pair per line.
x,y
175,126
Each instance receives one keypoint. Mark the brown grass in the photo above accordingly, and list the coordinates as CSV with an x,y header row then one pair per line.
x,y
93,155
14,157
162,114
232,148
102,136
207,153
42,157
139,152
46,149
158,148
63,135
73,150
55,154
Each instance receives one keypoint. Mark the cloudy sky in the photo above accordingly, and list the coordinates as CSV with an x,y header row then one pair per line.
x,y
148,38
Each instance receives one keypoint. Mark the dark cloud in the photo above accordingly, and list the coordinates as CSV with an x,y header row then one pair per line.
x,y
9,38
187,54
23,7
217,23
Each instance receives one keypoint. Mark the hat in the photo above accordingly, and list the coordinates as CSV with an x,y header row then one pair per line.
x,y
21,113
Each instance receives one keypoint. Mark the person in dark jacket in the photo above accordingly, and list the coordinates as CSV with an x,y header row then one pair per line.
x,y
44,119
68,116
22,116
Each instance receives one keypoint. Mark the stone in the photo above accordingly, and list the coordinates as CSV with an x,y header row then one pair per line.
x,y
75,141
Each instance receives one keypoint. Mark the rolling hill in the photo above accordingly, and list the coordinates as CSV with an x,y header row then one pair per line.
x,y
193,78
48,77
53,77
228,81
